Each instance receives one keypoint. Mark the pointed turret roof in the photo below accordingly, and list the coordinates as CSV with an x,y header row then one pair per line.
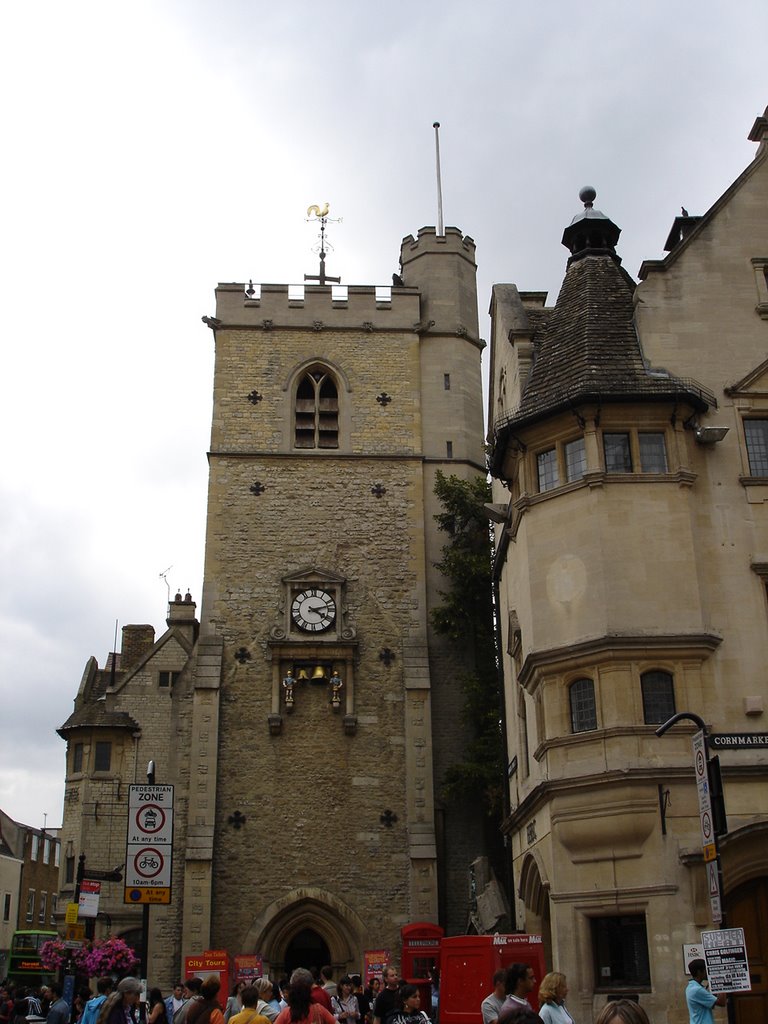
x,y
588,349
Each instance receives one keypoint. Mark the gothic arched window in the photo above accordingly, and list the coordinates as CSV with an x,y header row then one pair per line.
x,y
317,411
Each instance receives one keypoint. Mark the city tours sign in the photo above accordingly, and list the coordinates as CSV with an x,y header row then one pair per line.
x,y
149,844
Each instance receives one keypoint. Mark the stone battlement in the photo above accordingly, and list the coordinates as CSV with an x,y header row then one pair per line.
x,y
429,242
316,306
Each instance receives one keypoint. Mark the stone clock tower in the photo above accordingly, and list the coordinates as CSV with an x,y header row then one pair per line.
x,y
324,711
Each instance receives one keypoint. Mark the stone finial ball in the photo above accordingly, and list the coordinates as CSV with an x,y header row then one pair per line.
x,y
587,194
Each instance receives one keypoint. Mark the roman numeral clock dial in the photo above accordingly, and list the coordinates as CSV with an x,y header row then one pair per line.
x,y
313,610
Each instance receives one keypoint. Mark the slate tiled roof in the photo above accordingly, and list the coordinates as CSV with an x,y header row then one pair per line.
x,y
587,350
97,716
91,708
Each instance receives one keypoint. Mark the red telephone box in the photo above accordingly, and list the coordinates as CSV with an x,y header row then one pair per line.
x,y
420,957
467,966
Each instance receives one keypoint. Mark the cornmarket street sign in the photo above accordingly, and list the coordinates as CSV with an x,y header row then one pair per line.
x,y
737,740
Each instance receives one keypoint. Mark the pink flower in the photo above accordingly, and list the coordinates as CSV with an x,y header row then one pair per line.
x,y
103,956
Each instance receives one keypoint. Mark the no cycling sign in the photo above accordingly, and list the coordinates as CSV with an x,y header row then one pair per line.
x,y
149,844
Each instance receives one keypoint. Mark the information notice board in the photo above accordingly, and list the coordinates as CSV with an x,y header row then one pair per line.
x,y
725,953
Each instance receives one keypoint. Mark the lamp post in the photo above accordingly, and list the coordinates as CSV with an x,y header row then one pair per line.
x,y
713,821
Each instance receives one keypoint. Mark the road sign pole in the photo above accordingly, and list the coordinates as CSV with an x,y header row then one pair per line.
x,y
709,837
145,908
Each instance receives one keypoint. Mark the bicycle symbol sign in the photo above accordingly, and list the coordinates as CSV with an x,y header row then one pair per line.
x,y
148,862
149,844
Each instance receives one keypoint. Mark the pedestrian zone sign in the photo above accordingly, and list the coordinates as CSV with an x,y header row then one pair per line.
x,y
149,845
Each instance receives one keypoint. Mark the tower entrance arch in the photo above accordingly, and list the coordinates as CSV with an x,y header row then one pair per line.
x,y
308,927
306,949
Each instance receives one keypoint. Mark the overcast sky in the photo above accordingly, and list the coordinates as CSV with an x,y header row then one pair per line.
x,y
154,149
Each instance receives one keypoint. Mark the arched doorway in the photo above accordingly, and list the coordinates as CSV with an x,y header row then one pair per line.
x,y
535,893
745,873
747,908
306,949
308,927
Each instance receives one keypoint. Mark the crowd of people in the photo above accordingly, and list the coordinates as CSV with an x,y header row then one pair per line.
x,y
314,998
508,1003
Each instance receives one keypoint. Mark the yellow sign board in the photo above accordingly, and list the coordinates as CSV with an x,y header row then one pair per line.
x,y
157,894
710,853
71,915
75,933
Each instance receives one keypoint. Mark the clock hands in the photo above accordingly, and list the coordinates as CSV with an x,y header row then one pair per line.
x,y
313,610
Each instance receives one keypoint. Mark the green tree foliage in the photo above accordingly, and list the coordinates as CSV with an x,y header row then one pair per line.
x,y
467,617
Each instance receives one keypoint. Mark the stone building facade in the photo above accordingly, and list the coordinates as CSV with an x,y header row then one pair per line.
x,y
629,432
308,718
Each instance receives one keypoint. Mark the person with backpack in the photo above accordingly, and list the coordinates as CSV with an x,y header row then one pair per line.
x,y
93,1006
344,1005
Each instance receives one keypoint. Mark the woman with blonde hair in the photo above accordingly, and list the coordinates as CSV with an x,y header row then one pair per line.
x,y
552,992
265,989
622,1011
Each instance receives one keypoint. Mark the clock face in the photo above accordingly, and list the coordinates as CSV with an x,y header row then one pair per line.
x,y
313,610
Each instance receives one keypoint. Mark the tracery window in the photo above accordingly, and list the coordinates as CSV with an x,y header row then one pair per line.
x,y
317,411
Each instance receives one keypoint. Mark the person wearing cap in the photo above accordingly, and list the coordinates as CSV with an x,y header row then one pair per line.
x,y
122,1007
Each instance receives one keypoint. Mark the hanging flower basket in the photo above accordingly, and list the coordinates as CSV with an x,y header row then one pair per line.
x,y
96,959
109,956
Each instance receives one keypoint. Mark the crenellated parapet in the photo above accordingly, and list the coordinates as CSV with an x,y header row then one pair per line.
x,y
315,307
443,269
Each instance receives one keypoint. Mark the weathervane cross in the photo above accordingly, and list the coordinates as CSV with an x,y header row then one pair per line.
x,y
322,216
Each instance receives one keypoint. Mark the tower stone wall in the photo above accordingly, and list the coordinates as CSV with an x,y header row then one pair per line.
x,y
308,753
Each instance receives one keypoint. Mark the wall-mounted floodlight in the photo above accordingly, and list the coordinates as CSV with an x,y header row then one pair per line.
x,y
709,435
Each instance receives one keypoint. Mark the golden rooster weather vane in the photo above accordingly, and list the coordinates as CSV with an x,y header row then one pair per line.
x,y
315,213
